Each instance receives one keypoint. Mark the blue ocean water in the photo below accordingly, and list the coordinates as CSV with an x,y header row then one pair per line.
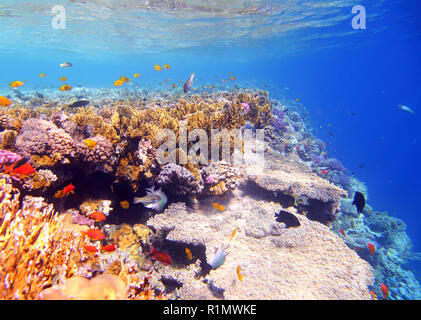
x,y
349,81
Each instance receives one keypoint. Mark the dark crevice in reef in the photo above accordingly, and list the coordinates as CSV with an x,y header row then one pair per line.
x,y
316,210
177,251
253,190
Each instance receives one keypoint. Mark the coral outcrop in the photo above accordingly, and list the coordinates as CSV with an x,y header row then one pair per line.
x,y
308,262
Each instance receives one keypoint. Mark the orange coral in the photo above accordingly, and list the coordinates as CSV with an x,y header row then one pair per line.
x,y
33,246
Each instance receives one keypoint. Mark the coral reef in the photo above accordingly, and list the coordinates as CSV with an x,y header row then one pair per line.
x,y
335,272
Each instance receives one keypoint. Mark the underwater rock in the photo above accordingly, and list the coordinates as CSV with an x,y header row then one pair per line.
x,y
335,272
179,180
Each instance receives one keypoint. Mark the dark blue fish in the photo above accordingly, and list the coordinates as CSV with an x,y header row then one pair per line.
x,y
359,201
80,103
288,218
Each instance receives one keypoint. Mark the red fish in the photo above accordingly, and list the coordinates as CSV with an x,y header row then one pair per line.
x,y
385,290
373,295
70,188
160,256
370,247
94,234
342,232
324,171
358,249
21,171
108,248
97,216
90,248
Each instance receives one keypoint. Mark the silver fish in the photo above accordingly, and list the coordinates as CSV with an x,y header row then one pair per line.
x,y
406,108
187,85
65,65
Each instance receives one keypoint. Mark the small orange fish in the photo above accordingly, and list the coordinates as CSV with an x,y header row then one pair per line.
x,y
296,100
4,102
42,75
125,204
108,248
136,75
233,78
157,67
167,66
385,290
65,191
94,234
239,275
124,79
97,216
90,248
371,248
63,78
218,206
233,234
189,254
342,232
65,87
373,295
22,171
16,84
118,83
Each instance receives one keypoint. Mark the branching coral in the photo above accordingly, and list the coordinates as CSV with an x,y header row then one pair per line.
x,y
32,245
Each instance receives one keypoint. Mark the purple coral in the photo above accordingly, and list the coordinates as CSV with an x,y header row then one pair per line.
x,y
209,180
335,164
8,157
82,220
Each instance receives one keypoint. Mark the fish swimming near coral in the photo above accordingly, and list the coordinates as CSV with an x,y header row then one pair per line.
x,y
118,83
154,199
160,256
136,75
70,188
94,234
79,103
219,258
124,204
63,78
108,248
406,108
65,65
5,102
157,67
385,290
218,206
233,234
16,84
97,216
65,87
371,248
239,274
189,82
189,254
90,248
359,201
288,218
342,232
20,168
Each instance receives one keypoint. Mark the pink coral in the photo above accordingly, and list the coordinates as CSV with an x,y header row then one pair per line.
x,y
8,157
